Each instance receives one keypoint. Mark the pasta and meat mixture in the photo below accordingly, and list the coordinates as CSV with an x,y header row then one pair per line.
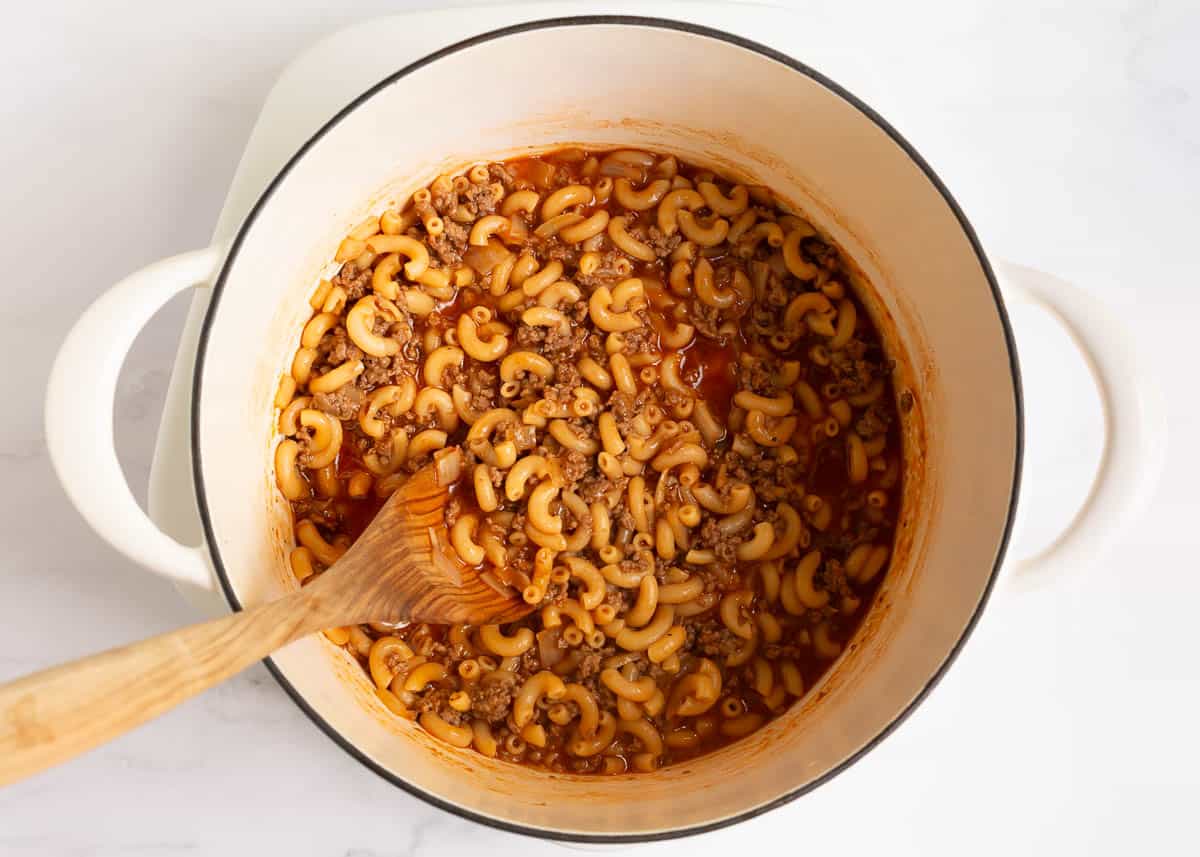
x,y
681,439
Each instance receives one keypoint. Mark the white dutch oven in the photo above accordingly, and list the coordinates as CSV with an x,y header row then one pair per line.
x,y
711,98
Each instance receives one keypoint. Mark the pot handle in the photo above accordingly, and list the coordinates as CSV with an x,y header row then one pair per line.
x,y
1135,425
79,414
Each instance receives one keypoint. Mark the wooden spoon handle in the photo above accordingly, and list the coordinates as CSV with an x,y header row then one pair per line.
x,y
54,715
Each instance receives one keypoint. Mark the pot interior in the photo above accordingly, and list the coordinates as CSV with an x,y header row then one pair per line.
x,y
711,101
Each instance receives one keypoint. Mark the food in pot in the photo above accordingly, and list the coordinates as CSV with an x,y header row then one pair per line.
x,y
682,446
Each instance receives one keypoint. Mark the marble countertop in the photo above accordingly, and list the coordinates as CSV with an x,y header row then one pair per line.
x,y
1070,134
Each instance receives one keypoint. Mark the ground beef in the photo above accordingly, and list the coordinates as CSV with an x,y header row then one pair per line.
x,y
854,368
777,294
343,403
574,465
774,651
663,568
481,199
771,480
593,488
833,578
566,381
451,244
725,546
500,173
530,336
755,376
521,563
661,676
578,313
340,347
635,225
641,340
453,376
380,371
482,382
444,199
433,699
531,662
590,664
593,346
706,319
664,245
673,399
874,421
582,428
568,254
319,510
356,283
618,598
844,541
715,640
556,593
823,254
400,330
482,379
626,407
720,577
562,345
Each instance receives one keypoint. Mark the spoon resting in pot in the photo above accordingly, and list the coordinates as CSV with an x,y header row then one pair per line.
x,y
400,568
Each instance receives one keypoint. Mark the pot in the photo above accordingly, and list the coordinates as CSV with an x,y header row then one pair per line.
x,y
714,99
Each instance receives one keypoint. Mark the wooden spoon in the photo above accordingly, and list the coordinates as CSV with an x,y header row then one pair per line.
x,y
401,568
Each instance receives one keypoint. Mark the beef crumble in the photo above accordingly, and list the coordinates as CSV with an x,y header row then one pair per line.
x,y
354,282
451,244
490,701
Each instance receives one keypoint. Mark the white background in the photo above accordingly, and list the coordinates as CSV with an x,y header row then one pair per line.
x,y
1070,134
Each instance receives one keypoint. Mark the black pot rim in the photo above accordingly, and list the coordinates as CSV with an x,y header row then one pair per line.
x,y
633,21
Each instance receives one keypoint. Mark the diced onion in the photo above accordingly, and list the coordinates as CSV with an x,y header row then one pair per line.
x,y
548,649
483,259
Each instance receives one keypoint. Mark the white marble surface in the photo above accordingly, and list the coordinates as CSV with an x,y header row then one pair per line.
x,y
1070,133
